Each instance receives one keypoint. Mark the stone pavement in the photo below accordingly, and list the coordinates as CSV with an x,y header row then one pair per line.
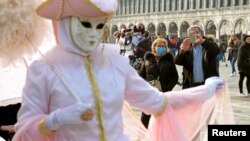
x,y
240,103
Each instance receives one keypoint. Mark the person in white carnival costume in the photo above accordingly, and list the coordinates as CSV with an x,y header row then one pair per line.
x,y
76,92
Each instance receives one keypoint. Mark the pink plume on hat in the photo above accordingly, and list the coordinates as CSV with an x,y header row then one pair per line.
x,y
85,9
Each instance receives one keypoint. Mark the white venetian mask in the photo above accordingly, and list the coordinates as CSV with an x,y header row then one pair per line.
x,y
86,35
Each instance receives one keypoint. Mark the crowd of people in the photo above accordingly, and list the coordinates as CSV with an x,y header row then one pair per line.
x,y
224,50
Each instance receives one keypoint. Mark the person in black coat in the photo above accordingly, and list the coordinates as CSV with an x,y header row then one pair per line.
x,y
159,64
244,64
198,58
7,120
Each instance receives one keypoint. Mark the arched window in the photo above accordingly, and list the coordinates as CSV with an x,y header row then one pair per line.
x,y
149,4
194,4
214,3
125,7
237,3
245,2
144,6
207,3
159,5
229,3
221,3
121,7
182,4
130,6
201,4
139,6
170,5
188,4
165,5
134,6
154,4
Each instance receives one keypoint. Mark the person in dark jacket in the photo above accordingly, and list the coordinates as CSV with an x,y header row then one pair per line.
x,y
143,46
198,58
244,64
159,64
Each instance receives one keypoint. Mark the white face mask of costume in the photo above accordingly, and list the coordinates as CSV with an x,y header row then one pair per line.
x,y
86,35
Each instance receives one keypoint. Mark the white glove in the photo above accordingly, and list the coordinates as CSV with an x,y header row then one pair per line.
x,y
68,115
213,84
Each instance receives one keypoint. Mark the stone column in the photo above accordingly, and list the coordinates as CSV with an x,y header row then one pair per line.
x,y
225,4
167,5
123,7
136,6
241,2
162,5
156,5
191,4
217,33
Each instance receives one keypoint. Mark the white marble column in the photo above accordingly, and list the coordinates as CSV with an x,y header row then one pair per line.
x,y
162,5
156,6
191,4
225,4
241,2
217,33
198,4
167,5
123,7
178,3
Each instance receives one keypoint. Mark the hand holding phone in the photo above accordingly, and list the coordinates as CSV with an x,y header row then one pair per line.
x,y
192,39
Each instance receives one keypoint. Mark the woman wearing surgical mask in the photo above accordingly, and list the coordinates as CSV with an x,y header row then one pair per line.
x,y
159,64
76,92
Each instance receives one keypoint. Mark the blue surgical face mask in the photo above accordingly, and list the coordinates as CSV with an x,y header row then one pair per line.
x,y
160,50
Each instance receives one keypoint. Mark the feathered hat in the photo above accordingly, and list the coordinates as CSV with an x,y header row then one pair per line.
x,y
84,9
21,29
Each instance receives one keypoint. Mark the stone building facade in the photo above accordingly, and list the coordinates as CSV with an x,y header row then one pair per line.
x,y
219,18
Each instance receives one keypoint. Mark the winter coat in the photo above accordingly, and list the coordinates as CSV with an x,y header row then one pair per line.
x,y
244,59
185,59
165,69
233,52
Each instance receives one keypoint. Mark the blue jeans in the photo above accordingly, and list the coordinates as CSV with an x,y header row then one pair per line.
x,y
233,61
